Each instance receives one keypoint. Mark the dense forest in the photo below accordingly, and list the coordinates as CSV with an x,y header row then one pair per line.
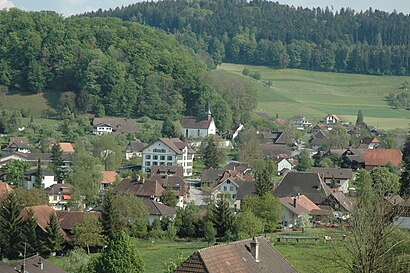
x,y
106,66
268,33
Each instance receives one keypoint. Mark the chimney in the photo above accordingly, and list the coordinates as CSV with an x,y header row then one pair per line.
x,y
255,249
40,263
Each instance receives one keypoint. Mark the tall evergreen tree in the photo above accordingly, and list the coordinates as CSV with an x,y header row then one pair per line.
x,y
53,238
223,217
263,177
107,215
169,129
213,156
57,162
31,233
304,161
38,175
405,176
11,228
360,119
121,255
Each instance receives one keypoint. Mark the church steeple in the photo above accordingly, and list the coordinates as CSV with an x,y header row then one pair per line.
x,y
209,113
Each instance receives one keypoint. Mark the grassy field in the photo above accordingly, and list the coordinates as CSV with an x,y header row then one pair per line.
x,y
315,94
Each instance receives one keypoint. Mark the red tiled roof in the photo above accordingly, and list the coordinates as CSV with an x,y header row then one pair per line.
x,y
68,219
303,204
4,189
192,122
41,213
380,157
108,177
143,188
66,147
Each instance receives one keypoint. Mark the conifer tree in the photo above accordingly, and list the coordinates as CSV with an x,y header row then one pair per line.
x,y
57,162
53,238
360,119
38,175
213,156
222,217
30,233
264,171
107,215
405,176
168,129
11,228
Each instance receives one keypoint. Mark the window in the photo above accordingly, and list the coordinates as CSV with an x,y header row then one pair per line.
x,y
169,158
155,163
189,157
161,163
155,157
169,164
231,188
159,150
225,188
199,132
147,163
162,157
147,157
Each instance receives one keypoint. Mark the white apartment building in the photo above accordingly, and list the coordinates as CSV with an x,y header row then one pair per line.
x,y
168,152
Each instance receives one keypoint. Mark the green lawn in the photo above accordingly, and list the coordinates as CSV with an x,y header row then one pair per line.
x,y
315,94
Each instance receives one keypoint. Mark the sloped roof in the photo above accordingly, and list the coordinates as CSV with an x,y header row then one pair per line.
x,y
342,199
242,167
66,147
273,150
119,125
59,189
236,257
41,213
280,122
245,189
108,177
303,204
141,188
337,173
68,219
191,122
4,189
394,199
169,170
211,175
309,184
380,157
159,209
333,116
135,146
175,144
175,182
31,265
20,142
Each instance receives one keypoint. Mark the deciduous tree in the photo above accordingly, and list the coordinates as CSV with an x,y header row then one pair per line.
x,y
88,233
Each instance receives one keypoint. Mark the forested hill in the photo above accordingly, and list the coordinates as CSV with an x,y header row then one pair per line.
x,y
268,33
109,66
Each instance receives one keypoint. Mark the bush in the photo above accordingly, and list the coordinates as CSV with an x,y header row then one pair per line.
x,y
256,75
246,72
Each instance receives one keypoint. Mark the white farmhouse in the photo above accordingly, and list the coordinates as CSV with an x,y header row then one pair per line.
x,y
102,128
284,164
168,152
194,127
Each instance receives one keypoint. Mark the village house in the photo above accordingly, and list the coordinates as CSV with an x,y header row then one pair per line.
x,y
33,264
134,149
211,177
168,152
108,179
294,208
141,187
158,210
234,132
47,179
68,220
114,125
317,140
381,157
66,147
229,184
255,255
273,151
354,158
16,145
33,158
197,127
335,177
284,164
59,195
331,119
300,122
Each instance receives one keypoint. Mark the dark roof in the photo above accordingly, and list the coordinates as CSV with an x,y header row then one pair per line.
x,y
175,144
309,184
135,146
68,219
192,122
337,173
31,265
211,175
342,200
46,156
169,170
20,142
242,167
177,183
119,125
236,257
281,138
58,189
159,209
141,188
245,189
273,150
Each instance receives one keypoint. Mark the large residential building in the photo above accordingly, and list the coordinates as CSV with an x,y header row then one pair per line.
x,y
168,152
114,125
194,127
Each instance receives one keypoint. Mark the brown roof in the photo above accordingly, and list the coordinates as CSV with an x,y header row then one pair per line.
x,y
176,182
236,257
342,200
245,189
211,175
4,189
192,122
31,265
333,115
41,213
303,204
135,146
68,219
168,170
141,188
176,145
20,142
108,177
337,173
66,147
381,157
273,150
159,209
119,125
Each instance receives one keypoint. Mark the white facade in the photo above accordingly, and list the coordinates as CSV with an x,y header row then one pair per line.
x,y
101,129
341,184
200,133
161,154
331,119
289,219
47,181
226,187
284,164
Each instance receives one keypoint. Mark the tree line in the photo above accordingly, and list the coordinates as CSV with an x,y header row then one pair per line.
x,y
268,33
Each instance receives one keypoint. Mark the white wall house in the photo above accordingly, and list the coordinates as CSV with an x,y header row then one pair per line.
x,y
47,181
332,119
102,128
335,177
168,152
284,164
194,127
